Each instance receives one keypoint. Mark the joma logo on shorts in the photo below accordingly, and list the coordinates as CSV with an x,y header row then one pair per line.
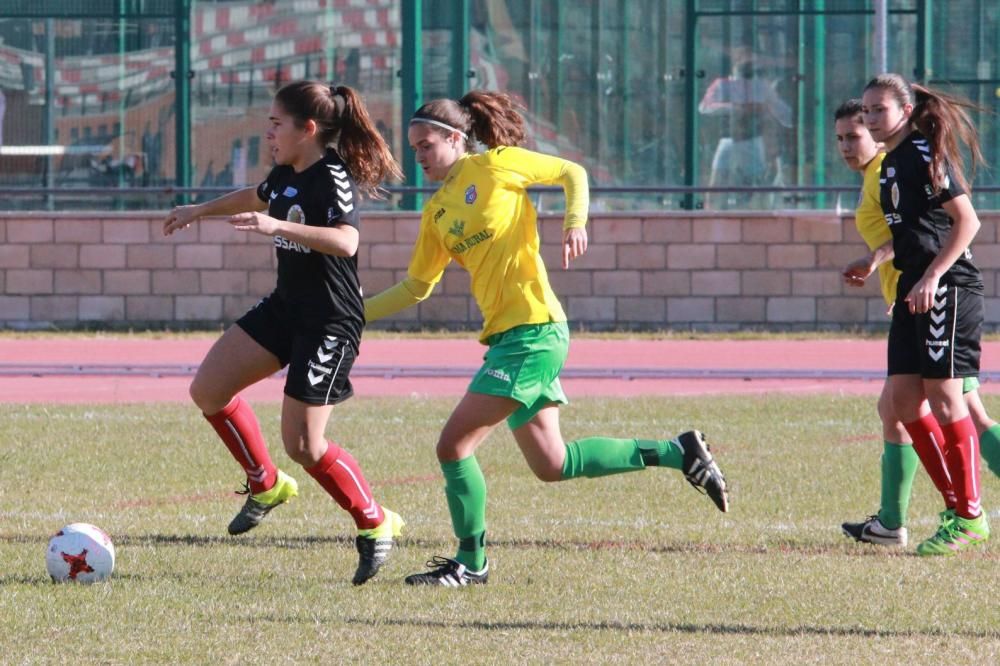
x,y
499,374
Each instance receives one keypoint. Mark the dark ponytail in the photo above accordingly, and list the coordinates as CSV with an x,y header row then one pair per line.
x,y
943,119
362,146
490,117
494,117
343,122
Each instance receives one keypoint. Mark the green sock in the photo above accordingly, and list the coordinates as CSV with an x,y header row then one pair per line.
x,y
465,488
989,445
601,456
899,465
668,453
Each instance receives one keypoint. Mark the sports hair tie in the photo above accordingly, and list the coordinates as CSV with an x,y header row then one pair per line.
x,y
438,123
341,105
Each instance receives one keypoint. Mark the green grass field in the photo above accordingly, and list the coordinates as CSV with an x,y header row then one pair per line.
x,y
637,568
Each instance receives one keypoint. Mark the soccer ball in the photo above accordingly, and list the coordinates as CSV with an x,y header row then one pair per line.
x,y
80,553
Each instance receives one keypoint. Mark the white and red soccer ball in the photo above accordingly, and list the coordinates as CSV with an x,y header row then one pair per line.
x,y
80,553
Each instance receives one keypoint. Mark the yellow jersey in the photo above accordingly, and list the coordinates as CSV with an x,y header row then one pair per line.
x,y
482,219
871,224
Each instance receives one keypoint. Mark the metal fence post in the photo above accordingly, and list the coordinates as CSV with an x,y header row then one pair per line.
x,y
182,90
412,72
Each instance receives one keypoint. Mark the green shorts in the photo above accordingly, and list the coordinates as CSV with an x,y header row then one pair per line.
x,y
970,384
523,364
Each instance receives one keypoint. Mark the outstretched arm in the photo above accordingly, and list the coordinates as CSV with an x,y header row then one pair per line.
x,y
240,201
340,240
396,298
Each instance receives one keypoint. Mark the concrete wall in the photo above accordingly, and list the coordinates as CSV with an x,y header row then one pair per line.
x,y
704,270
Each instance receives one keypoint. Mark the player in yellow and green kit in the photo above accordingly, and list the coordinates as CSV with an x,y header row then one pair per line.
x,y
862,153
482,219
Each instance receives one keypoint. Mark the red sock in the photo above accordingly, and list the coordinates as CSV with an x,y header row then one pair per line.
x,y
962,456
928,443
341,477
238,428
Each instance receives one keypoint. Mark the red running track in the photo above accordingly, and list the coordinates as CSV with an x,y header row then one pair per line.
x,y
750,355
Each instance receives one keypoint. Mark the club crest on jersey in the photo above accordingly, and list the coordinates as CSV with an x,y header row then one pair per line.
x,y
290,192
470,194
895,195
296,215
891,172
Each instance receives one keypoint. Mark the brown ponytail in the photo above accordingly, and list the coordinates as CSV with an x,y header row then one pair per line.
x,y
369,160
943,119
490,117
344,125
495,119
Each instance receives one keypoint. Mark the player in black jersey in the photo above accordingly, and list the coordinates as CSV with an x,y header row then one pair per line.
x,y
934,339
326,152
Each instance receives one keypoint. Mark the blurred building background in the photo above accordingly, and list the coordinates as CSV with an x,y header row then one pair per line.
x,y
659,97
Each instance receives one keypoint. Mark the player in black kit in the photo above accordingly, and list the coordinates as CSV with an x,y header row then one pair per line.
x,y
937,319
327,153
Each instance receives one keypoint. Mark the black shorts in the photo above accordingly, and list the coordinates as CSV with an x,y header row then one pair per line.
x,y
318,356
942,343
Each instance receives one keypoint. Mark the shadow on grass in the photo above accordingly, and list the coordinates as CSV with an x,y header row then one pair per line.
x,y
256,541
234,496
25,580
844,549
673,627
45,580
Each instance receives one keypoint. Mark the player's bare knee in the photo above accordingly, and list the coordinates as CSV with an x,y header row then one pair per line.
x,y
981,420
945,412
299,450
450,450
193,391
885,409
205,398
885,413
548,474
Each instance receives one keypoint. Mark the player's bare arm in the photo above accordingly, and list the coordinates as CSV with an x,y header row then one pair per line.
x,y
340,241
858,270
574,244
966,226
181,217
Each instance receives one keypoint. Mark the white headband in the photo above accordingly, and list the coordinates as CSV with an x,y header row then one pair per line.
x,y
446,126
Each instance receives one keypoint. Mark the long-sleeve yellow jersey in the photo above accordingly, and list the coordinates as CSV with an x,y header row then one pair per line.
x,y
871,224
482,218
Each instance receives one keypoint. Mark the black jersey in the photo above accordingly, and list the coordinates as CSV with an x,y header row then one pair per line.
x,y
919,224
320,289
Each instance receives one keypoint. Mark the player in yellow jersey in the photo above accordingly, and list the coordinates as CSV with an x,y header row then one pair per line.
x,y
863,154
482,219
